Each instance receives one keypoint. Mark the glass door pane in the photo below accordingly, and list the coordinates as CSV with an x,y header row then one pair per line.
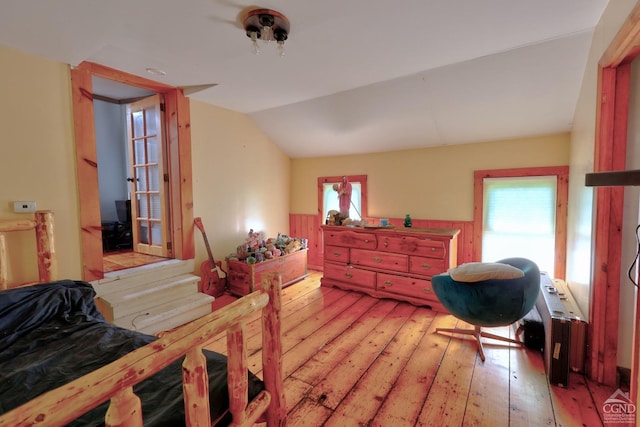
x,y
148,195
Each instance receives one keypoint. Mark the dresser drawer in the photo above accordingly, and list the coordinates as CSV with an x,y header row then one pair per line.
x,y
380,260
350,239
387,262
336,254
391,285
426,266
355,277
411,245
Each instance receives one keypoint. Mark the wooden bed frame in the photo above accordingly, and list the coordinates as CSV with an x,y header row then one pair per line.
x,y
115,381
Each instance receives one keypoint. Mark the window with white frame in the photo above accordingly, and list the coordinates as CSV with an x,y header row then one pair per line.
x,y
519,219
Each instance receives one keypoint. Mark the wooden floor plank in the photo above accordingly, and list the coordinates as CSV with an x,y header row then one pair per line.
x,y
350,359
303,351
361,404
309,413
447,399
574,405
529,399
318,303
600,393
343,346
295,391
339,381
127,258
404,401
489,388
293,297
300,327
307,304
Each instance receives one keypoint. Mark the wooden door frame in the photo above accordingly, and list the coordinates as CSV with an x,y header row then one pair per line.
x,y
177,116
610,154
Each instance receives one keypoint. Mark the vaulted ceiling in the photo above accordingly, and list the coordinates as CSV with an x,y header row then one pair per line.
x,y
357,76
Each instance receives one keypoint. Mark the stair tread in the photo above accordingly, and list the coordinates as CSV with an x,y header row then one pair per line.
x,y
155,314
118,281
176,321
146,289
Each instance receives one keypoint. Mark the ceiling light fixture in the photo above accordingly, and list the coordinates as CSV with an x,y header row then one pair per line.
x,y
266,25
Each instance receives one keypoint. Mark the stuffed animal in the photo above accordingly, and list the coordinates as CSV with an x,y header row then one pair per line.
x,y
254,240
292,246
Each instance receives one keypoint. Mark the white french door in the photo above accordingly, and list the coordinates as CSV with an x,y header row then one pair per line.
x,y
149,212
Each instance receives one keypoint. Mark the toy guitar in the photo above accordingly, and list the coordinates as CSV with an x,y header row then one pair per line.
x,y
213,276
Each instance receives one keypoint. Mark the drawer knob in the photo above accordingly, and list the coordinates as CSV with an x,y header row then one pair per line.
x,y
377,259
366,240
348,275
386,244
336,254
388,283
427,290
433,249
425,266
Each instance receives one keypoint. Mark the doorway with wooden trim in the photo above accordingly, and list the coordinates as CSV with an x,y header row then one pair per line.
x,y
133,187
179,201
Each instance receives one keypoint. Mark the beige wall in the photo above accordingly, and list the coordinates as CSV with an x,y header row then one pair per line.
x,y
37,155
240,179
581,197
428,183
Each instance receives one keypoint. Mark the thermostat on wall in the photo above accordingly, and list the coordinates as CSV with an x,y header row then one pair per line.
x,y
24,206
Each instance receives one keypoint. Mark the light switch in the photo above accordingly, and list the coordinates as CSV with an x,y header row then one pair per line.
x,y
22,207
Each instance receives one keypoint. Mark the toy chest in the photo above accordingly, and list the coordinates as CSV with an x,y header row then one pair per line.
x,y
244,278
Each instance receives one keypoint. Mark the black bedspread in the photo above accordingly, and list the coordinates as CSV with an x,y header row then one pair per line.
x,y
53,333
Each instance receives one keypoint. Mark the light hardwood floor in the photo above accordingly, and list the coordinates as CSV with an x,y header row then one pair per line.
x,y
123,259
352,360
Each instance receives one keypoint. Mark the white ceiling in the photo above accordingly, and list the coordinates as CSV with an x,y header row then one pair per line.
x,y
358,75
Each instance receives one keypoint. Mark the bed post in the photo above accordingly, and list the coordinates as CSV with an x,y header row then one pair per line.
x,y
125,409
47,257
238,382
272,350
195,385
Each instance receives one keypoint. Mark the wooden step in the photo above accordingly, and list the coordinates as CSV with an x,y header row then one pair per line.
x,y
137,299
119,281
168,315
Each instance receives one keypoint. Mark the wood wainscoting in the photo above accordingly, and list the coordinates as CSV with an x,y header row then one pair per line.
x,y
308,227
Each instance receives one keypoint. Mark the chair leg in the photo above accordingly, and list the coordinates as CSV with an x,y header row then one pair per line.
x,y
477,333
500,338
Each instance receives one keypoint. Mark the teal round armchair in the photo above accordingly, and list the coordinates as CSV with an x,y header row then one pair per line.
x,y
488,295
